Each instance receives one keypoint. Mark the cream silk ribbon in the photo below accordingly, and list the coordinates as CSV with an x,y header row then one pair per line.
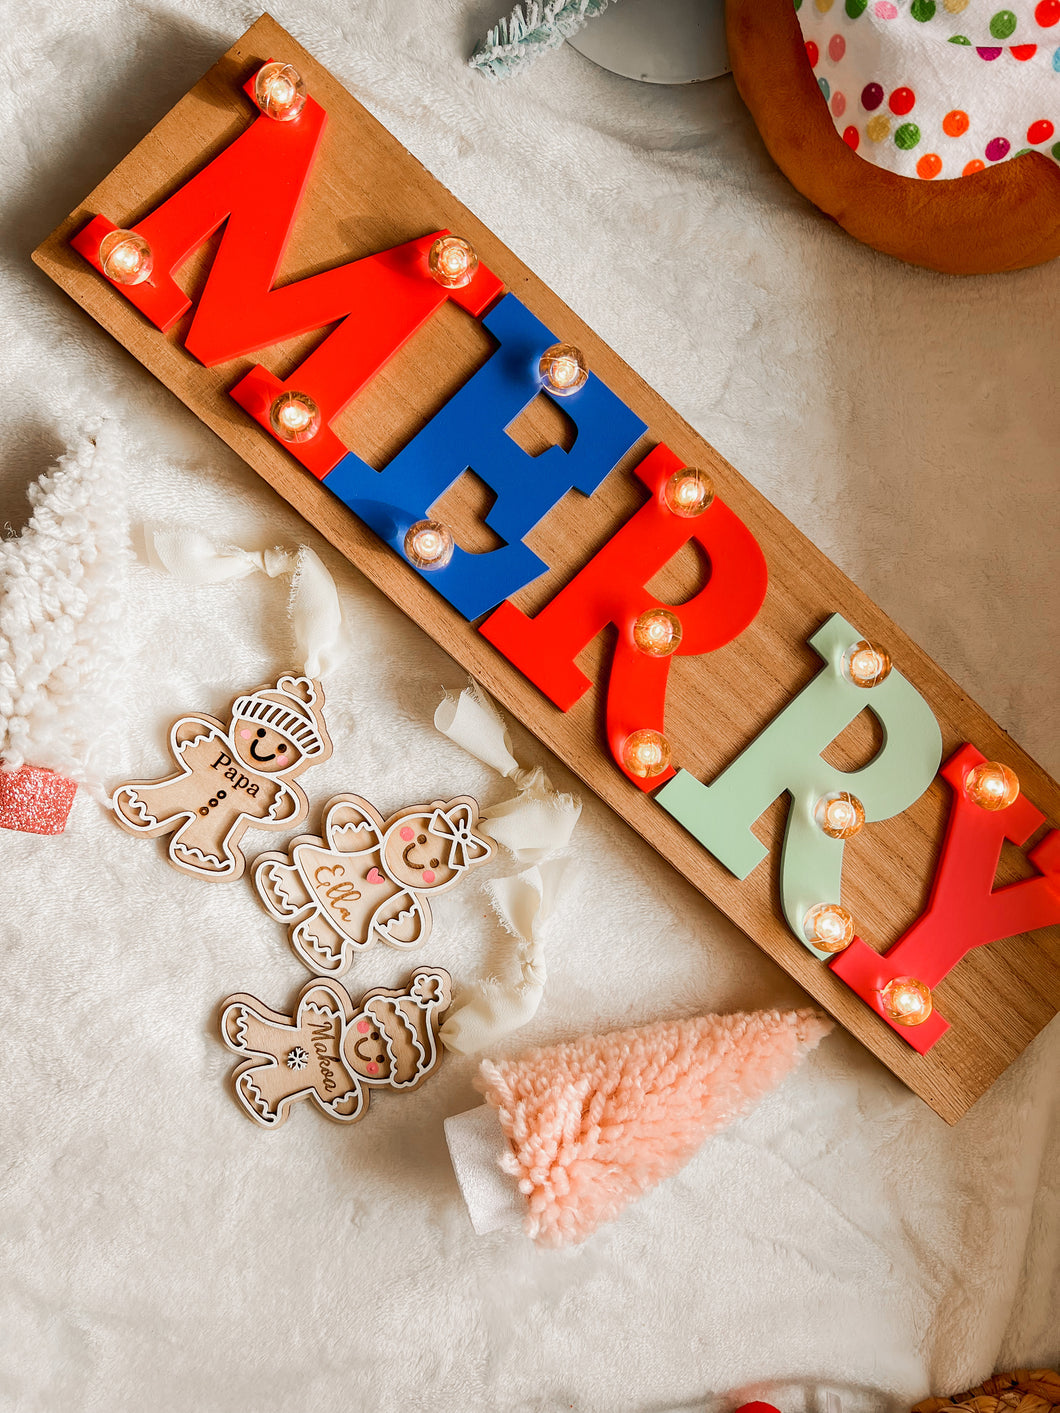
x,y
312,606
495,1008
533,825
537,821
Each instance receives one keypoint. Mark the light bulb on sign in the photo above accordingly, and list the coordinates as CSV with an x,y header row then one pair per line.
x,y
865,665
279,91
294,417
452,262
688,492
991,785
657,632
563,370
840,814
429,544
906,1000
125,258
829,927
646,753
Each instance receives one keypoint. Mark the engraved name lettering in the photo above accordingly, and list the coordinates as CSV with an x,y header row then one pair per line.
x,y
335,894
321,1035
238,779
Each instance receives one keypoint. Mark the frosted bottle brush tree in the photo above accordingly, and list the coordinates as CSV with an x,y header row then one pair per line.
x,y
530,31
63,636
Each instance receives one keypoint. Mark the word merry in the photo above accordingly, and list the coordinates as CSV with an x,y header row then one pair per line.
x,y
377,304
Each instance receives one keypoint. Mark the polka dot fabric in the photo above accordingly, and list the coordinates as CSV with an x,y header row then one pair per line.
x,y
938,89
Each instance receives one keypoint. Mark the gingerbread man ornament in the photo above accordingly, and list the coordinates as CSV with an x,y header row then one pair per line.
x,y
231,778
368,878
331,1051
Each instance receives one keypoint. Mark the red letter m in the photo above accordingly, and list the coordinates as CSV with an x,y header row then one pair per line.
x,y
254,188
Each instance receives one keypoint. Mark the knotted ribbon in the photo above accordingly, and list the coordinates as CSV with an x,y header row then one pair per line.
x,y
537,820
533,825
523,902
312,605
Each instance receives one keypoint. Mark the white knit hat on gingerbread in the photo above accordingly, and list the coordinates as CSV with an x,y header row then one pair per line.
x,y
289,708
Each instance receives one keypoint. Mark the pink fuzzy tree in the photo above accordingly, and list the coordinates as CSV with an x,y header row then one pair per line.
x,y
593,1124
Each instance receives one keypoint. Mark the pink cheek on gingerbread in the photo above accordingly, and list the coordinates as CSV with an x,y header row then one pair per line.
x,y
373,1068
407,834
428,875
244,735
363,1027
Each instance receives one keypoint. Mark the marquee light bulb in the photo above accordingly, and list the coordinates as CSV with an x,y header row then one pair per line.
x,y
829,927
906,1000
657,632
452,262
429,544
563,369
125,258
991,785
865,665
688,492
294,417
279,91
646,753
840,814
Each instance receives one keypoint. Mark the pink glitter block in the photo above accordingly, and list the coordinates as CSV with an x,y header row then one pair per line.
x,y
35,800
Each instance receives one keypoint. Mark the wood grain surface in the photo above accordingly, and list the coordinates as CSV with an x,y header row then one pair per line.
x,y
367,193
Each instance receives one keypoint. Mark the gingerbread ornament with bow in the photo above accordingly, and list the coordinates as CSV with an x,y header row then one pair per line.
x,y
368,878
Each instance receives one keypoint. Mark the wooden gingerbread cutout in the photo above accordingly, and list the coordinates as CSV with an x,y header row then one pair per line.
x,y
330,1051
231,778
368,878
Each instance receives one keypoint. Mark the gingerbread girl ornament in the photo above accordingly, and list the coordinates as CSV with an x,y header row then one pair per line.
x,y
331,1051
231,777
368,878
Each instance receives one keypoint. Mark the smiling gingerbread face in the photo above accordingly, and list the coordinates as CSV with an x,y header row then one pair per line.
x,y
365,1050
383,1044
264,749
415,855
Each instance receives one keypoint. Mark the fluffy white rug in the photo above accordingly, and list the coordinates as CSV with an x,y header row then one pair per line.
x,y
160,1252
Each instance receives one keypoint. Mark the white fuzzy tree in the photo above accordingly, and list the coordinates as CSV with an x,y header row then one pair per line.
x,y
530,31
63,636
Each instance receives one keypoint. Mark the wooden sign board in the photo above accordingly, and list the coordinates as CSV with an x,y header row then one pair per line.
x,y
365,194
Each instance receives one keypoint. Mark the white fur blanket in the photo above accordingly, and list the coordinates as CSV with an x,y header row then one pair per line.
x,y
159,1252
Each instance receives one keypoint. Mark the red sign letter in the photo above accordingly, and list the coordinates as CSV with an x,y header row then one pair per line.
x,y
610,589
964,910
254,187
